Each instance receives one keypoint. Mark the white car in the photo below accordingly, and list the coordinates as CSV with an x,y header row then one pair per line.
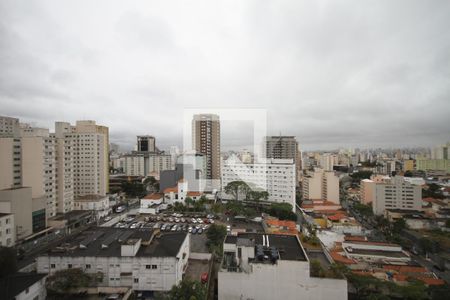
x,y
228,228
194,220
190,229
211,221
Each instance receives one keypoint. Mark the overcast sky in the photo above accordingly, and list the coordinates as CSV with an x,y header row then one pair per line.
x,y
332,73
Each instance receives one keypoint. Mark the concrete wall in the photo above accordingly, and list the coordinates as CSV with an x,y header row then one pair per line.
x,y
35,292
285,280
18,202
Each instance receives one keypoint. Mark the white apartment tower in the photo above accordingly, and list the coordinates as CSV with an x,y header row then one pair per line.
x,y
276,176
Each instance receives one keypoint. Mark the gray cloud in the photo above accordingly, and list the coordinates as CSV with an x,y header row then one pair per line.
x,y
331,73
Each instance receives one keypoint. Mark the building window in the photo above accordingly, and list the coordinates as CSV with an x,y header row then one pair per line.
x,y
154,267
136,280
88,266
147,266
52,266
69,266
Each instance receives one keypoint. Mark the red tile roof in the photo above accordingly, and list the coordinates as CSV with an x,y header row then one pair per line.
x,y
194,194
154,196
355,238
342,259
173,189
431,281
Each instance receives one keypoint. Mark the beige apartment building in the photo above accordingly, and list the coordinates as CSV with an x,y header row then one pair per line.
x,y
321,185
10,163
90,158
396,193
38,165
367,187
29,213
206,140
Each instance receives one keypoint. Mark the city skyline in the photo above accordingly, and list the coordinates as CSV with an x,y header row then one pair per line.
x,y
330,74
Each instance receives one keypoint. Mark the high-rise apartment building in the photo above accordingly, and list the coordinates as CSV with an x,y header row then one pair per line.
x,y
9,127
39,165
64,149
90,154
321,185
283,147
396,193
206,140
146,143
276,176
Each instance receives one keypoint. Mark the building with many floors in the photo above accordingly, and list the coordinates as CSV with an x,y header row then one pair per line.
x,y
206,140
321,185
396,193
276,176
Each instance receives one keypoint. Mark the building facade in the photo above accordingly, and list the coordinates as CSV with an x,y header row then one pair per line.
x,y
272,266
143,260
321,185
206,140
96,203
276,176
396,193
7,230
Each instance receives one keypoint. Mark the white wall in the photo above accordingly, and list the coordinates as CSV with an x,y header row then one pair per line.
x,y
285,280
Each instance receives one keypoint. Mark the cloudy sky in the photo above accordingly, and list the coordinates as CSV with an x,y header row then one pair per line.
x,y
332,73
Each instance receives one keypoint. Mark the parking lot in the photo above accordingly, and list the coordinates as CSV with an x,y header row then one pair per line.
x,y
195,224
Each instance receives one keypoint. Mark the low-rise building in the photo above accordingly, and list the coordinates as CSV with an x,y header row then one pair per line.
x,y
272,266
143,259
150,203
23,286
375,252
98,204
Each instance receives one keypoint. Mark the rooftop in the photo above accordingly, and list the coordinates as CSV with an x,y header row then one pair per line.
x,y
397,254
107,242
288,246
154,196
13,285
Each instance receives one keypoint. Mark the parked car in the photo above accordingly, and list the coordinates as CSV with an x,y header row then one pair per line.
x,y
194,230
200,231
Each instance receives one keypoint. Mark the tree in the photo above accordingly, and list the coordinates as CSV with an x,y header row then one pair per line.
x,y
64,280
257,196
235,188
316,269
189,202
187,290
8,261
151,184
398,226
282,211
133,189
216,234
